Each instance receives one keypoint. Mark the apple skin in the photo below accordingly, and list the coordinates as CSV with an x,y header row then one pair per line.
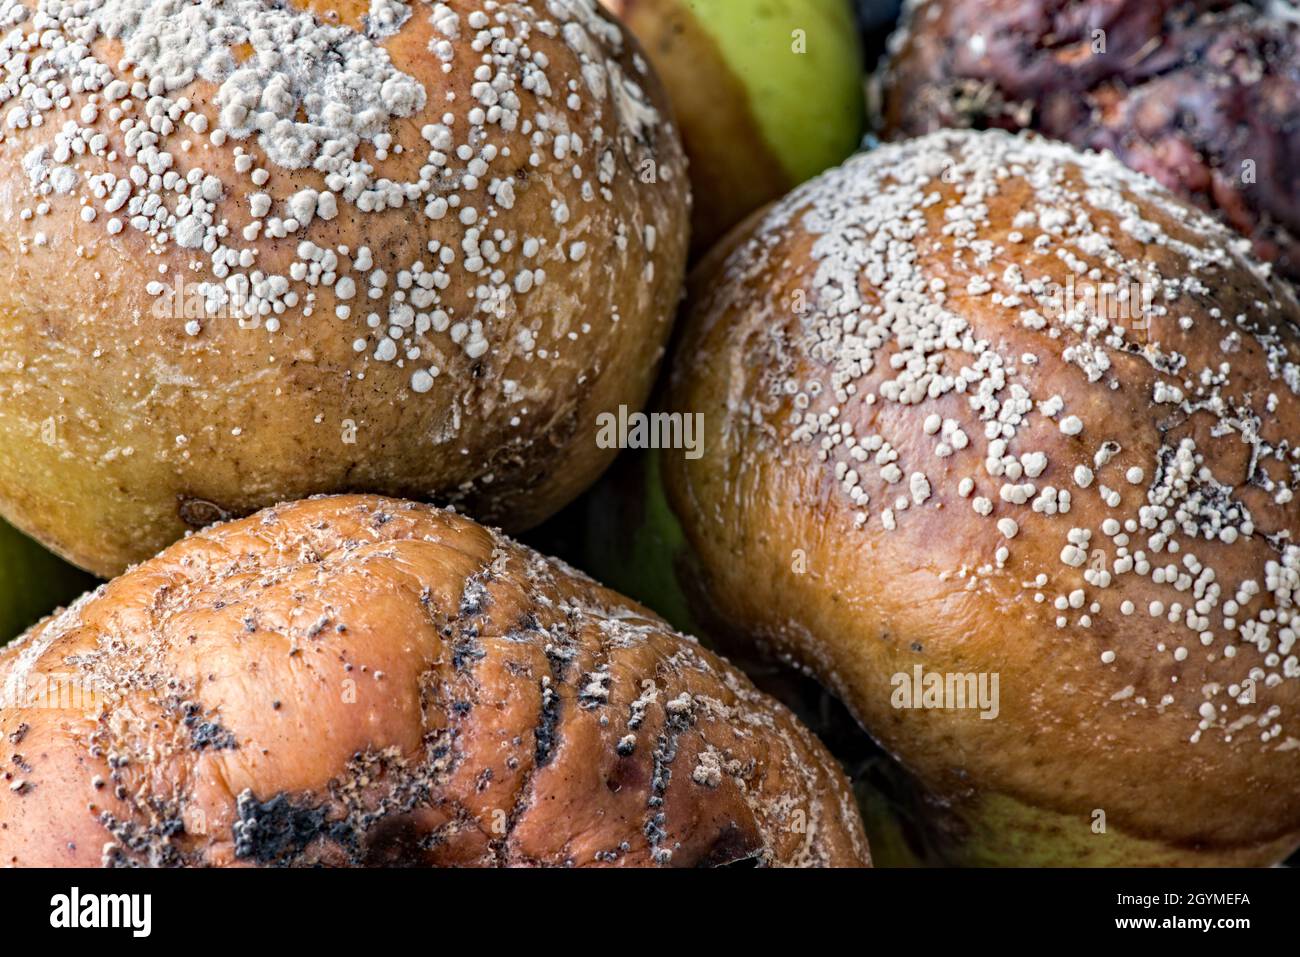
x,y
33,582
757,116
634,543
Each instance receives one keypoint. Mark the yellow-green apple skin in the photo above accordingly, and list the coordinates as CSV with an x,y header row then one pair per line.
x,y
33,582
768,93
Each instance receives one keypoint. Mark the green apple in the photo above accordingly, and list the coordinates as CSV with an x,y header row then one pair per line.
x,y
33,582
633,541
768,93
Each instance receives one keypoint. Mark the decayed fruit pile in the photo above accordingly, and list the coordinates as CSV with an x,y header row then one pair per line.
x,y
973,451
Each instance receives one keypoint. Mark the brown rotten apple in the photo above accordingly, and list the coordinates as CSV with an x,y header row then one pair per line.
x,y
983,407
1204,95
251,251
362,681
